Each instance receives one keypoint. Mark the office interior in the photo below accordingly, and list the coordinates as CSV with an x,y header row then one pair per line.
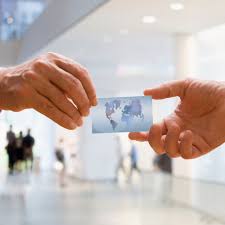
x,y
127,46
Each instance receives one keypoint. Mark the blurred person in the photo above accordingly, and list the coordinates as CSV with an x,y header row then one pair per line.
x,y
163,163
11,149
11,152
19,151
53,85
197,125
20,137
28,143
134,159
120,170
10,136
61,164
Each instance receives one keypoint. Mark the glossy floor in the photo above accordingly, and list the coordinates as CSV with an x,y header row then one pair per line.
x,y
36,200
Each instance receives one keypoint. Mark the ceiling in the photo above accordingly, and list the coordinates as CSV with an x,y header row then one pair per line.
x,y
196,15
114,40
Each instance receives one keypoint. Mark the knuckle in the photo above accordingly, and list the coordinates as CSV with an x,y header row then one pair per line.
x,y
39,64
188,81
75,83
62,118
69,63
84,103
29,75
84,72
58,61
84,75
75,115
46,106
51,54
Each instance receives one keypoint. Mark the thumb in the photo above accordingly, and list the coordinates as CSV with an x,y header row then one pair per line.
x,y
167,90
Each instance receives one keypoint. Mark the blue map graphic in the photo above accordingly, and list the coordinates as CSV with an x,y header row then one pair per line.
x,y
130,110
122,114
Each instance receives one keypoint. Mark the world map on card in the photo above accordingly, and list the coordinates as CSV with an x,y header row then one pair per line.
x,y
128,109
122,114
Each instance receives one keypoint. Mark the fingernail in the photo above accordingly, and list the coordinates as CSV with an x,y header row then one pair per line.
x,y
73,125
95,102
86,112
80,122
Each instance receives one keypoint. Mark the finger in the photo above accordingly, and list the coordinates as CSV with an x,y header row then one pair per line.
x,y
81,74
139,136
55,95
201,144
163,139
187,149
168,90
155,137
171,141
45,107
72,87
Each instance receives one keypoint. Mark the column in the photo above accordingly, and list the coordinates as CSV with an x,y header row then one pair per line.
x,y
186,64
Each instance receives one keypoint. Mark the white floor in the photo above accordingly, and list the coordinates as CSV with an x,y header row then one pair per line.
x,y
37,200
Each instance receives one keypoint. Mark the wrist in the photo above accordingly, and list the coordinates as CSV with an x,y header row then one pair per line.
x,y
2,69
2,72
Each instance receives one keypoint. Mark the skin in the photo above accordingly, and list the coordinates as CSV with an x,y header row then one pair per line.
x,y
53,85
196,126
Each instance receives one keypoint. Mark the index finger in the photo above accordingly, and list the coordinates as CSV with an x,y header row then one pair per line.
x,y
82,74
167,90
139,136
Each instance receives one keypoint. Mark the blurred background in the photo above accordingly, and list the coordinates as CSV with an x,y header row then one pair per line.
x,y
55,176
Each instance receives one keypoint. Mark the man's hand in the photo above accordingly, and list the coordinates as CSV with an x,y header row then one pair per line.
x,y
197,125
51,84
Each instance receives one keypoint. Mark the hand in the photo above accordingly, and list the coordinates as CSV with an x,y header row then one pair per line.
x,y
51,84
197,125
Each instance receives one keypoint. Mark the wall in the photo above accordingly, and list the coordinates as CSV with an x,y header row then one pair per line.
x,y
9,52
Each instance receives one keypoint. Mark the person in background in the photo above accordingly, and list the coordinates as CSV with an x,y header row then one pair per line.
x,y
120,159
10,136
134,159
61,163
28,143
20,137
163,163
11,149
19,152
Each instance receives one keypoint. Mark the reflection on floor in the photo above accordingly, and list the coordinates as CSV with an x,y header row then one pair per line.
x,y
36,200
